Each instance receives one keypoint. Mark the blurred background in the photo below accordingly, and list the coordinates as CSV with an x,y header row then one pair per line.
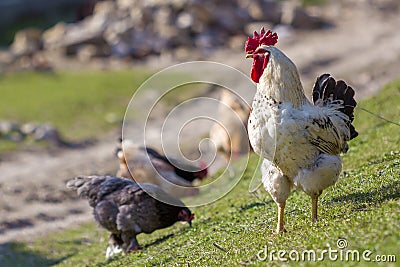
x,y
44,34
68,69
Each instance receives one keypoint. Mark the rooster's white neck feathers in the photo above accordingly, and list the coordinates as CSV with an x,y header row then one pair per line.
x,y
280,79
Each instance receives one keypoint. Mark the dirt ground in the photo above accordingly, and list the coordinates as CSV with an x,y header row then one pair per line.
x,y
362,47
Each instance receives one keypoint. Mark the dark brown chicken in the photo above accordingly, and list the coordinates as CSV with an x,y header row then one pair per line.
x,y
146,165
126,208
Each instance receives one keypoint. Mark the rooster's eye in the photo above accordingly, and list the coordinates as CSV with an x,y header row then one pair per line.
x,y
261,50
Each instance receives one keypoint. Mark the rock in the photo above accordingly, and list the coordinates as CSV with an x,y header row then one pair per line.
x,y
29,128
71,38
6,127
272,11
142,43
105,9
125,4
162,16
6,57
118,29
53,36
302,20
231,20
141,28
90,32
36,132
27,42
40,62
10,131
47,132
184,20
201,13
121,48
86,52
297,17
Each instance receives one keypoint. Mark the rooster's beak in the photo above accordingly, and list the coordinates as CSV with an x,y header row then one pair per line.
x,y
249,56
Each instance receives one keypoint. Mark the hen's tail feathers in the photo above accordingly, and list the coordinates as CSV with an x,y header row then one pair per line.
x,y
326,90
95,188
187,172
81,184
86,187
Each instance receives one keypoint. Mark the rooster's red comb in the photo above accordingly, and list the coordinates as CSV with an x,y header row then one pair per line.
x,y
264,38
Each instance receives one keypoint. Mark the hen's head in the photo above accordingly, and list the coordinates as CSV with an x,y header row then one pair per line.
x,y
203,172
185,215
257,48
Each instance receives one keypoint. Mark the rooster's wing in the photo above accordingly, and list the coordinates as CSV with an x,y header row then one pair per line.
x,y
331,116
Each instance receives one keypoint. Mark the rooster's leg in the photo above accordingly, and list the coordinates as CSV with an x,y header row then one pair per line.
x,y
281,209
314,208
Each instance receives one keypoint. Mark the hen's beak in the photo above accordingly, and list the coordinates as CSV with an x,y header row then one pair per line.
x,y
249,56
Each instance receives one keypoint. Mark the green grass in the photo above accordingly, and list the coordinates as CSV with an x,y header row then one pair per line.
x,y
363,208
78,104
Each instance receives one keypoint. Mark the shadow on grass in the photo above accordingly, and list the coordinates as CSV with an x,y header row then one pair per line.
x,y
18,254
255,204
159,240
376,197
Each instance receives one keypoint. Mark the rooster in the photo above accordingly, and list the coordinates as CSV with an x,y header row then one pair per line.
x,y
146,165
300,141
127,209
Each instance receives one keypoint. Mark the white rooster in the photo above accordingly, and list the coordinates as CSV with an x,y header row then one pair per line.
x,y
300,141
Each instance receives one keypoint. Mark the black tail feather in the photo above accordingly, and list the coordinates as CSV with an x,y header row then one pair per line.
x,y
328,90
189,173
341,87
